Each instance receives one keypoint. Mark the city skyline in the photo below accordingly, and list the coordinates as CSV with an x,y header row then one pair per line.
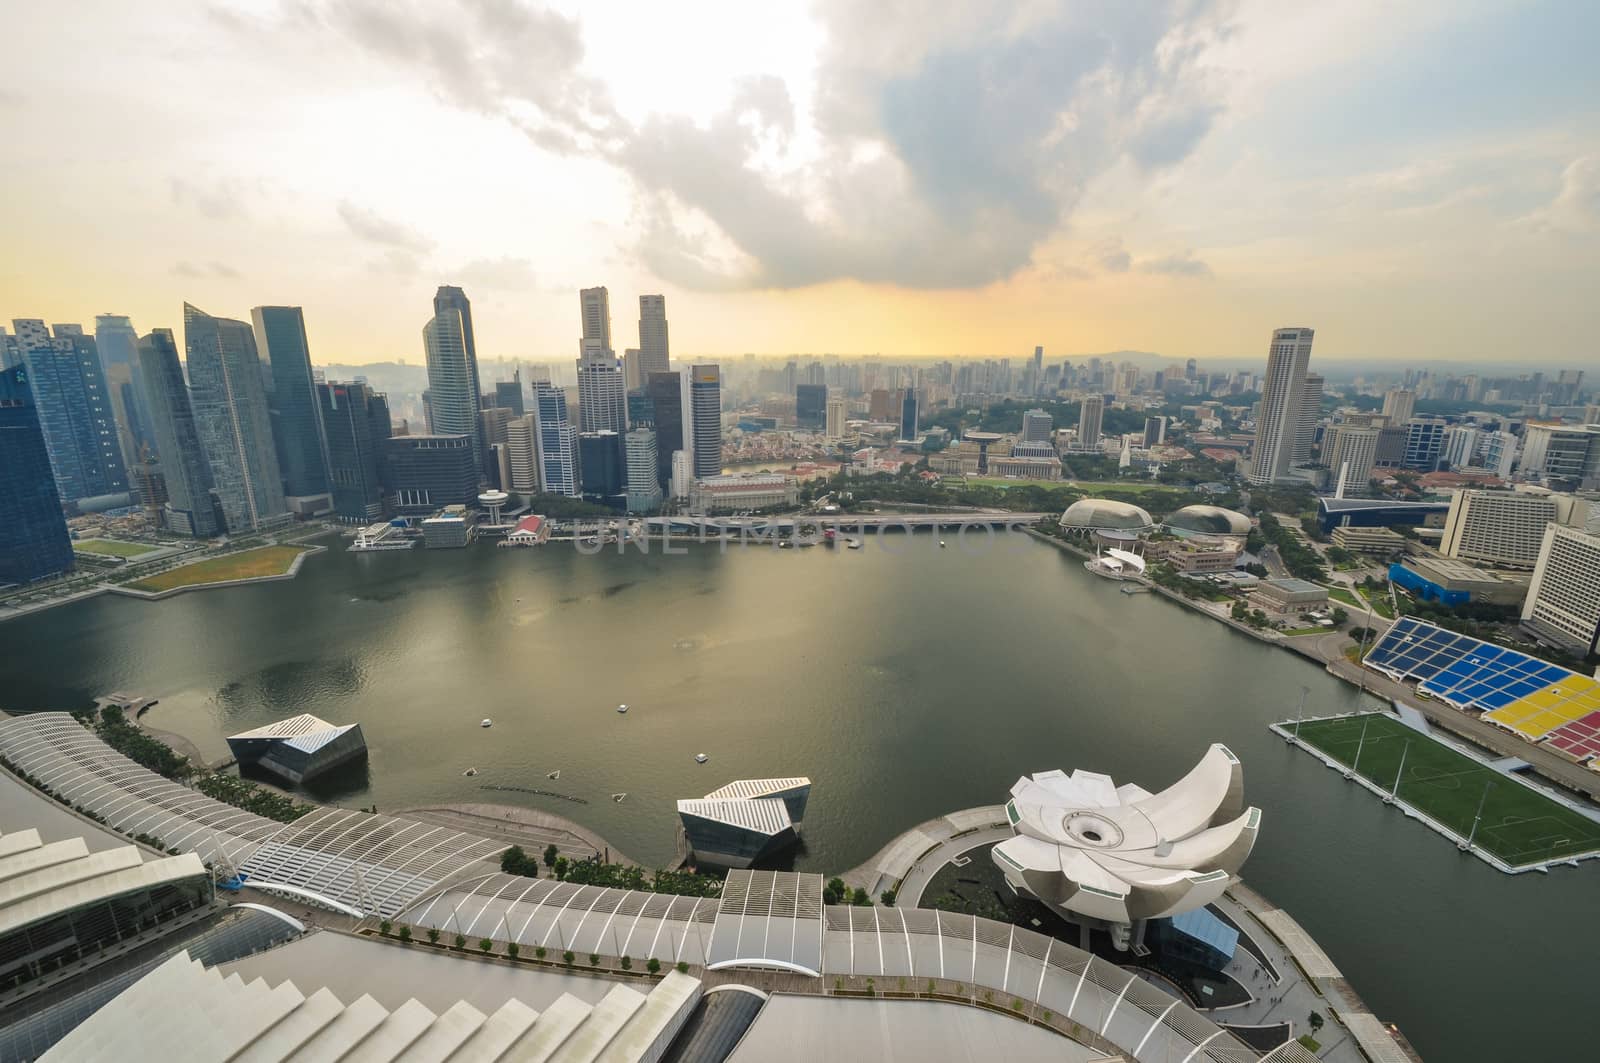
x,y
1434,214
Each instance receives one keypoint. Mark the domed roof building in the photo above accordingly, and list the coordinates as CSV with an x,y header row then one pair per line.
x,y
1103,514
1208,520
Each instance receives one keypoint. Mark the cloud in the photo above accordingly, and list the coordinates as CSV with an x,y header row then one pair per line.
x,y
1111,256
1576,206
1182,264
216,199
374,227
205,269
504,274
938,153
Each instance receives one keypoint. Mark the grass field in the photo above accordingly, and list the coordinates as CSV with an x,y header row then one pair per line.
x,y
113,547
246,564
1339,594
1519,825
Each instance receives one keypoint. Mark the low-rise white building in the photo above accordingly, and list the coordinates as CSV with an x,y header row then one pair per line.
x,y
726,494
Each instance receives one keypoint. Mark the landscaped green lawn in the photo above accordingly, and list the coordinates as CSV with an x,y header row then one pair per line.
x,y
1339,594
113,547
246,564
1519,825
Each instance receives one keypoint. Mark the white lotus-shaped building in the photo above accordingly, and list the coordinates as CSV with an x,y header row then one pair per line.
x,y
1090,848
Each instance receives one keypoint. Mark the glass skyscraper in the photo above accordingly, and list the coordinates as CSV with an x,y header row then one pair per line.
x,y
118,344
184,467
454,396
667,404
705,404
557,441
74,408
229,396
34,543
356,421
296,429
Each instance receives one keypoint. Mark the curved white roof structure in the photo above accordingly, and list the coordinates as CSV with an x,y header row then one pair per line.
x,y
39,881
1094,513
1089,847
1209,520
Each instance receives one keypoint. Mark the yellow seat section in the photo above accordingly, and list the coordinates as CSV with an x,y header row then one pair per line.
x,y
1541,712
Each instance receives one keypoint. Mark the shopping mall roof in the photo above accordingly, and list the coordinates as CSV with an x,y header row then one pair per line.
x,y
40,881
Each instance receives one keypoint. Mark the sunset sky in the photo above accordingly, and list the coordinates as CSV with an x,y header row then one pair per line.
x,y
1416,181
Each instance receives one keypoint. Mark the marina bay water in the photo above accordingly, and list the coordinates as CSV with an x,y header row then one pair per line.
x,y
906,680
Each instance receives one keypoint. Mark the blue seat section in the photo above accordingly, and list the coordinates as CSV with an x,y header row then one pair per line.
x,y
1460,669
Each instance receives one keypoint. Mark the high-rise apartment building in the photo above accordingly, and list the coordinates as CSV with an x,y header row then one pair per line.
x,y
1310,414
1563,603
34,542
118,345
810,405
292,400
1400,405
185,469
1155,431
1500,451
227,390
644,480
1505,528
1460,446
669,401
835,418
705,405
1091,413
556,440
1037,426
1279,426
454,395
602,393
74,408
595,307
355,420
1349,451
653,347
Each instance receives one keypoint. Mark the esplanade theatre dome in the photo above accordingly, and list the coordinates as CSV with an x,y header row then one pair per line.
x,y
1209,520
1096,514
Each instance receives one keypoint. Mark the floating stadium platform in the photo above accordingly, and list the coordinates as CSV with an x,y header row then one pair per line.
x,y
1534,699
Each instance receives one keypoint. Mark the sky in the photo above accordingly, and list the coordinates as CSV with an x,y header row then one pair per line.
x,y
1417,181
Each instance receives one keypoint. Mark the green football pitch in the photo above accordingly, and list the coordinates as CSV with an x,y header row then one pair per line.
x,y
1519,825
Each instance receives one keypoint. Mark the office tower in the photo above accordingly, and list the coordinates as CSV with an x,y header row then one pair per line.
x,y
595,306
34,542
356,422
602,467
1505,528
1155,431
810,405
453,397
522,454
1563,603
423,474
1282,409
227,390
1460,445
1424,443
641,411
1091,412
492,425
1591,414
1500,453
705,406
908,416
1038,370
1310,414
1349,451
669,399
835,418
1190,369
880,406
185,469
118,345
682,475
74,408
1400,405
1559,452
632,375
508,394
816,374
556,441
644,480
1036,426
602,396
653,351
292,400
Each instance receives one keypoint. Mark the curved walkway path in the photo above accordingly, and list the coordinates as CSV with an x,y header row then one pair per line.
x,y
918,849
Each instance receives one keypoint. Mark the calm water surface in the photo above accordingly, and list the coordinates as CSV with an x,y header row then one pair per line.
x,y
906,680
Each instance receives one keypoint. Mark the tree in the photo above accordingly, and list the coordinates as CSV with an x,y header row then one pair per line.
x,y
550,853
1339,616
486,945
433,935
567,957
683,966
513,950
461,941
405,935
384,927
834,892
594,959
627,963
887,897
561,867
654,966
539,952
861,898
1316,1021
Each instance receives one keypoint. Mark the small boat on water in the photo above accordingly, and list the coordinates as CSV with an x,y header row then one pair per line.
x,y
470,772
553,774
623,707
486,722
853,544
941,544
700,758
619,798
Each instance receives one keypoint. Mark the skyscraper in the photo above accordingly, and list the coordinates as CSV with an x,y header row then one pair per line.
x,y
705,404
602,467
1349,451
1310,414
522,454
1091,413
835,426
118,344
74,409
292,399
602,394
908,416
1282,408
810,405
595,306
1399,405
426,473
454,395
1036,427
185,469
1563,603
669,399
356,422
227,390
644,481
557,441
652,335
34,543
508,394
